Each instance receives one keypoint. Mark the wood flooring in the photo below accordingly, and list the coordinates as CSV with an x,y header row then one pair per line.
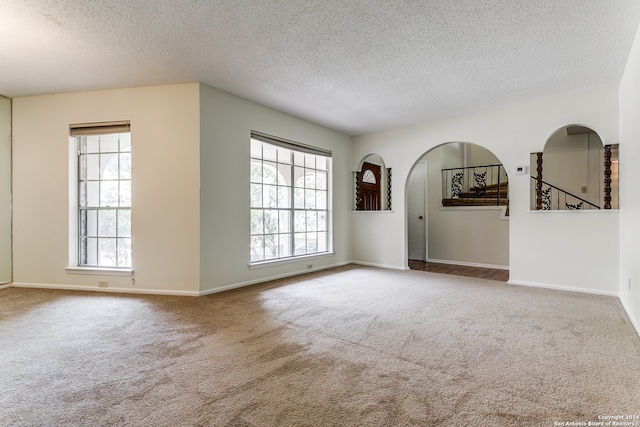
x,y
461,270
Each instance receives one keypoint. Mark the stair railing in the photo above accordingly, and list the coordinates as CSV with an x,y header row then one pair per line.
x,y
555,198
473,182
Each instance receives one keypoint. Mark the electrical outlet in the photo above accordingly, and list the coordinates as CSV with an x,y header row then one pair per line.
x,y
584,190
103,283
309,266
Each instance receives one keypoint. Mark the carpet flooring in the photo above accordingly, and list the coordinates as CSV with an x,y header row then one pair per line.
x,y
351,346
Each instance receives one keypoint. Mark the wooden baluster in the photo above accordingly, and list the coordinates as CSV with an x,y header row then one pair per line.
x,y
607,176
389,189
539,183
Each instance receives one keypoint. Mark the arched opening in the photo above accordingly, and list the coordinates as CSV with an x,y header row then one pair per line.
x,y
465,233
372,185
575,171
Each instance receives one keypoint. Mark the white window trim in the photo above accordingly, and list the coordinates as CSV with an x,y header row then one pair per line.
x,y
73,267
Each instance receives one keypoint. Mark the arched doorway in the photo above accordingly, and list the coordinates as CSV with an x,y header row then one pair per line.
x,y
457,212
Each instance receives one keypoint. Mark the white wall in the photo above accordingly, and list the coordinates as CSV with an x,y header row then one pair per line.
x,y
629,192
511,132
165,194
226,125
473,236
5,190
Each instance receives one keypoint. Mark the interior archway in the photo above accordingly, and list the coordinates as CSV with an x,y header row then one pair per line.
x,y
575,171
465,233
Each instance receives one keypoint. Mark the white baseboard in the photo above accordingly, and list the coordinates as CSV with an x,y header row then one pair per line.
x,y
5,286
109,290
268,279
632,318
373,264
468,264
562,288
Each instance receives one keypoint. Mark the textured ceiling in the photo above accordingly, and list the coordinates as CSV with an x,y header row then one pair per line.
x,y
353,65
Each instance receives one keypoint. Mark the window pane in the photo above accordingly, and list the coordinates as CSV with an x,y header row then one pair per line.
x,y
256,195
124,253
298,158
321,163
92,223
322,221
107,223
284,201
93,144
89,251
92,196
312,243
271,221
257,248
321,199
298,198
298,176
284,245
284,175
125,142
284,224
257,221
125,193
271,246
269,152
321,180
109,143
300,243
256,172
310,199
300,221
93,167
310,161
310,179
312,221
322,242
125,166
270,196
269,173
107,252
284,155
256,149
109,164
109,193
124,223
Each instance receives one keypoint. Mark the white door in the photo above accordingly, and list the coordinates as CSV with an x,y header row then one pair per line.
x,y
416,208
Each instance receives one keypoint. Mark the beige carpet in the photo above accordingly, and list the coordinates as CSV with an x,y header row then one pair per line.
x,y
352,346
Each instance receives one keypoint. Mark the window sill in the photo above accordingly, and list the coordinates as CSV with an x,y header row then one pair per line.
x,y
292,260
100,271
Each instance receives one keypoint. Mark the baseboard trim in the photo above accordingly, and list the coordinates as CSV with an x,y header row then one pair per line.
x,y
562,288
5,286
373,264
270,278
105,290
630,315
468,264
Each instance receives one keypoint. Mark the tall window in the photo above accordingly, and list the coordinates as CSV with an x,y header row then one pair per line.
x,y
289,199
103,195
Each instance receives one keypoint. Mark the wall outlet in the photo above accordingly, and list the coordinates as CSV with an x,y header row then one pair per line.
x,y
103,283
309,266
583,190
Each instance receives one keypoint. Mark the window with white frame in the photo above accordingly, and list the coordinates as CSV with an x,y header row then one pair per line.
x,y
103,195
290,194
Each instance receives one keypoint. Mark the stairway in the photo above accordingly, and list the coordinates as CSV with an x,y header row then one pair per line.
x,y
482,196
